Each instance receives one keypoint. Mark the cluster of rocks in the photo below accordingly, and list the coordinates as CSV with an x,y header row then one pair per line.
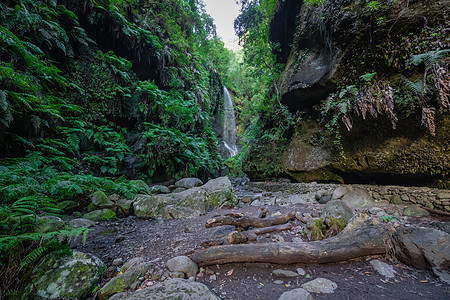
x,y
424,196
77,276
188,197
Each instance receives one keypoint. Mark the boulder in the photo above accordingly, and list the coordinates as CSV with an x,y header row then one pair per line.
x,y
123,282
100,200
80,222
339,192
415,211
175,288
189,203
296,294
320,286
423,248
336,209
188,183
396,199
160,189
141,185
182,264
49,224
358,198
72,276
101,215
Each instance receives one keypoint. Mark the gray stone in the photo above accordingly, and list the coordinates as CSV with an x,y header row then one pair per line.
x,y
297,240
178,190
182,264
424,248
160,189
301,272
117,262
325,199
337,208
100,200
123,281
284,273
339,192
296,294
358,198
396,199
101,215
188,183
76,223
176,288
126,205
71,276
114,198
415,211
192,202
377,211
383,268
213,277
279,282
320,286
256,203
132,263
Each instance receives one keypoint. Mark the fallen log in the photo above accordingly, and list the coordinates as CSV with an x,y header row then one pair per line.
x,y
362,237
237,237
239,220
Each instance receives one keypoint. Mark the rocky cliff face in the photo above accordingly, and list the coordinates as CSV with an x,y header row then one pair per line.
x,y
349,48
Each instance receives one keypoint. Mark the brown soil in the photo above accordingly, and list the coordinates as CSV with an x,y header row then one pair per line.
x,y
158,241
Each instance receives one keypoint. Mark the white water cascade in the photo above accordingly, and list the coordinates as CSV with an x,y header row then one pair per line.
x,y
229,125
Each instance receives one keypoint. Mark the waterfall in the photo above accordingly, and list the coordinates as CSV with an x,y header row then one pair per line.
x,y
229,125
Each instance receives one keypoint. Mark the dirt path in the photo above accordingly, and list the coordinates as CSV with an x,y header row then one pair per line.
x,y
158,241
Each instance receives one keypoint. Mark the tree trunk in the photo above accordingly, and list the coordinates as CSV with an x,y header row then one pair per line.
x,y
362,237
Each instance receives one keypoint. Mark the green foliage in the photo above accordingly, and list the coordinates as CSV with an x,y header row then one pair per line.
x,y
176,152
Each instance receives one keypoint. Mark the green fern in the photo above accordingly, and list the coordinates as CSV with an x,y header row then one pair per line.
x,y
429,58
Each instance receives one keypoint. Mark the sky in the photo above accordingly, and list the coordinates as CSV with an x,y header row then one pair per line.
x,y
224,12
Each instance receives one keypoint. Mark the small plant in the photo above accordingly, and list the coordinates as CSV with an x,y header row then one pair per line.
x,y
387,219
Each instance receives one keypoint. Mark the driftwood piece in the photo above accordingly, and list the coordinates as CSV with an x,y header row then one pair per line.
x,y
362,237
236,237
239,220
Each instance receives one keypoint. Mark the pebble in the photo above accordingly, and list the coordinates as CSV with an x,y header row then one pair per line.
x,y
383,268
213,278
297,240
278,282
284,273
